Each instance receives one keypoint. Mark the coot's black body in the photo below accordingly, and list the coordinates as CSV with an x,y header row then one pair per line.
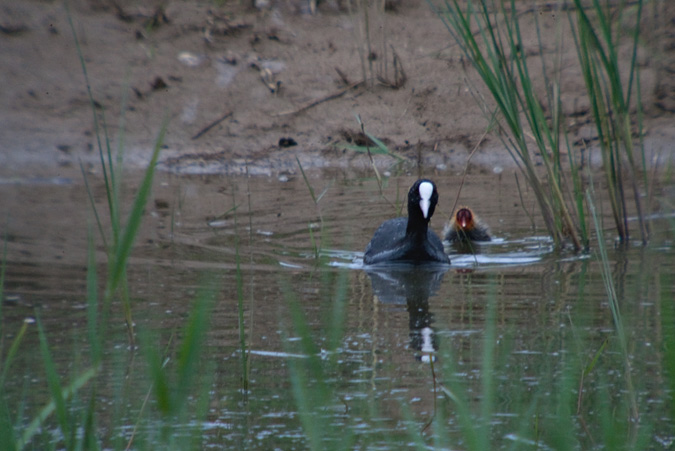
x,y
409,240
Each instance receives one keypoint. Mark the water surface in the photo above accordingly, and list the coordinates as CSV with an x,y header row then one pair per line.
x,y
390,344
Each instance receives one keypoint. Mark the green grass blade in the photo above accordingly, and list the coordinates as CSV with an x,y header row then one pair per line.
x,y
382,147
11,353
360,149
304,177
92,202
244,355
313,391
338,312
55,387
34,427
172,389
193,343
606,273
135,216
112,204
454,391
92,301
160,381
613,302
242,325
90,441
3,266
7,436
668,325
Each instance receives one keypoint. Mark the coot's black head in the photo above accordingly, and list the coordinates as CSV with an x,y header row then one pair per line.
x,y
422,200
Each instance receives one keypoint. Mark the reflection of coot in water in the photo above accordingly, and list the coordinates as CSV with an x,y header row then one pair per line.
x,y
413,286
409,239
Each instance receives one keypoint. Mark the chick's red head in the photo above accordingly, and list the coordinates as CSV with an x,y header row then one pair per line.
x,y
464,218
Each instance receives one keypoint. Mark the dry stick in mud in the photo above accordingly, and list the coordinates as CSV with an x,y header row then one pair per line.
x,y
400,78
211,125
314,103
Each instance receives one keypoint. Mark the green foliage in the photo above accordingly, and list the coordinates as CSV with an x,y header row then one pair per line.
x,y
597,34
118,251
314,389
614,308
59,396
316,244
174,383
497,53
242,325
120,243
7,438
490,37
571,408
667,294
380,147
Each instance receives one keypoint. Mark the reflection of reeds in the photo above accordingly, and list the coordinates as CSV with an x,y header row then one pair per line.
x,y
244,354
614,308
490,37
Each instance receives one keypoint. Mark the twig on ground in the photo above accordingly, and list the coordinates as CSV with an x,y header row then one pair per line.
x,y
211,125
343,77
314,103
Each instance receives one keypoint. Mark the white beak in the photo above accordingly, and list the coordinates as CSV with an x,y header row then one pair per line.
x,y
426,190
424,206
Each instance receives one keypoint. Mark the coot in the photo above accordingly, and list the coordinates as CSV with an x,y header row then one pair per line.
x,y
409,240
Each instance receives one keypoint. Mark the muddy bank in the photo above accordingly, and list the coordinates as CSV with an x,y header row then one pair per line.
x,y
244,88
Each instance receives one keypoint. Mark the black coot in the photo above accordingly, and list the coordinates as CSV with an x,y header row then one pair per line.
x,y
409,240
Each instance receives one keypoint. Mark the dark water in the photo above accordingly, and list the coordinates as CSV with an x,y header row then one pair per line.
x,y
546,315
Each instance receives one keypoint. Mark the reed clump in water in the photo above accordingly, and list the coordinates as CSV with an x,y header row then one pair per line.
x,y
489,35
